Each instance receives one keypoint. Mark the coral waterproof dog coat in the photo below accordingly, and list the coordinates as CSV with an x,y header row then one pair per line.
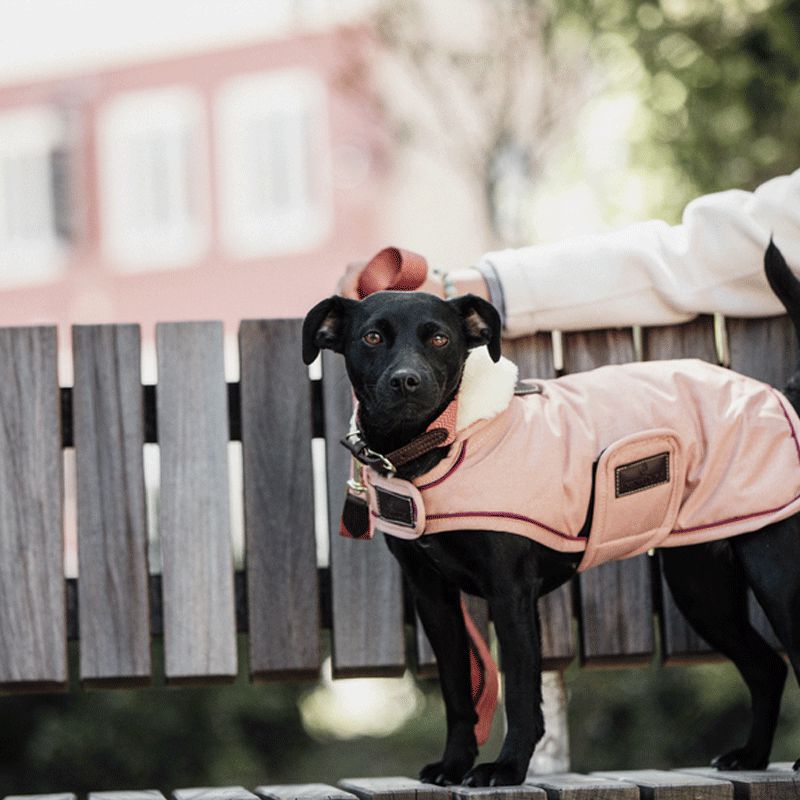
x,y
610,462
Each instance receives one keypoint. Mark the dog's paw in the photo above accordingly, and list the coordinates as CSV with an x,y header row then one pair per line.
x,y
496,773
445,773
741,758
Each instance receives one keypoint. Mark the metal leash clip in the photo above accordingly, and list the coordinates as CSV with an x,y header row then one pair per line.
x,y
358,448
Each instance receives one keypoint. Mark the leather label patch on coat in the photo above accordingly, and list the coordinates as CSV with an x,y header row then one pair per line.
x,y
643,474
396,508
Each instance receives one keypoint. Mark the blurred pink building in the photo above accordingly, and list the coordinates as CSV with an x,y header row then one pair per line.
x,y
224,185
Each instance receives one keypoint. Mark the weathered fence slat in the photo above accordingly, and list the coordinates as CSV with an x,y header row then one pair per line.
x,y
304,791
661,785
194,517
616,609
283,592
571,786
33,632
113,603
366,586
534,357
679,641
765,349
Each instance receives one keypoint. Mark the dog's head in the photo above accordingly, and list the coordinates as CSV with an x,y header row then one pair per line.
x,y
404,351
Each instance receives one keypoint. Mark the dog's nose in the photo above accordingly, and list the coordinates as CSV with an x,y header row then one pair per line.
x,y
405,381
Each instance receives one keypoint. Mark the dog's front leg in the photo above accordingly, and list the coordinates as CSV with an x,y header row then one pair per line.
x,y
438,603
516,625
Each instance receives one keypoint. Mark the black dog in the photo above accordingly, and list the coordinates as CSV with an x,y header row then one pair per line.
x,y
405,353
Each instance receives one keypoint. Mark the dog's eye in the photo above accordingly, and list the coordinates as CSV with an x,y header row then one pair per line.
x,y
439,340
373,338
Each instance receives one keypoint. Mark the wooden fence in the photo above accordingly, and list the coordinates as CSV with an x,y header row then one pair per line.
x,y
282,600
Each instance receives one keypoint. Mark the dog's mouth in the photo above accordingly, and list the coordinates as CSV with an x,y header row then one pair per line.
x,y
399,417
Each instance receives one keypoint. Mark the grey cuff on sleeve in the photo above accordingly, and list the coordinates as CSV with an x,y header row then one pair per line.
x,y
494,286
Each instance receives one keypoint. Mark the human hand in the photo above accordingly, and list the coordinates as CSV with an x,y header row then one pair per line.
x,y
389,269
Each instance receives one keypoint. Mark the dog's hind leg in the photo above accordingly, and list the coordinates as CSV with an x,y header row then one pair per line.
x,y
770,559
709,587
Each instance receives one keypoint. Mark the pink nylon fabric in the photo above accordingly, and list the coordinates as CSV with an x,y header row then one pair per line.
x,y
734,461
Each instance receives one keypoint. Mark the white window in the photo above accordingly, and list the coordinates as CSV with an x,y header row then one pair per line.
x,y
34,195
273,163
153,179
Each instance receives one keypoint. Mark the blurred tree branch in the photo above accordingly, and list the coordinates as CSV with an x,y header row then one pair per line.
x,y
494,101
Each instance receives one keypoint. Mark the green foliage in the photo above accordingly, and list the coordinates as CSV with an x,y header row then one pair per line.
x,y
667,717
719,78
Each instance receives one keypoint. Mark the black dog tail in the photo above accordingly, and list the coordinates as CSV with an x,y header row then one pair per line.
x,y
787,289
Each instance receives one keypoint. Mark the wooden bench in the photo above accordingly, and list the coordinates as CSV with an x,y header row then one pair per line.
x,y
282,599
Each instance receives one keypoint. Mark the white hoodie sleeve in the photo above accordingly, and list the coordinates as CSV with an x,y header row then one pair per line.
x,y
652,273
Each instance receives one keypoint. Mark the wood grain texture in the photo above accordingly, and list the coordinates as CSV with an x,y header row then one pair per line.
x,y
662,785
194,518
679,641
572,786
765,349
779,782
283,593
616,609
366,587
59,796
304,791
33,631
524,792
214,793
393,789
108,419
534,357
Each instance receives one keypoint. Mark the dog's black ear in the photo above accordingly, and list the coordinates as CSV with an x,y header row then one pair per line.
x,y
481,322
324,326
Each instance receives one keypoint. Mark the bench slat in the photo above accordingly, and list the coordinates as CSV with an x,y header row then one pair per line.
x,y
113,604
58,796
662,785
616,611
534,357
194,517
366,588
214,793
283,593
305,791
779,782
572,786
680,642
765,349
144,794
523,792
33,631
394,788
